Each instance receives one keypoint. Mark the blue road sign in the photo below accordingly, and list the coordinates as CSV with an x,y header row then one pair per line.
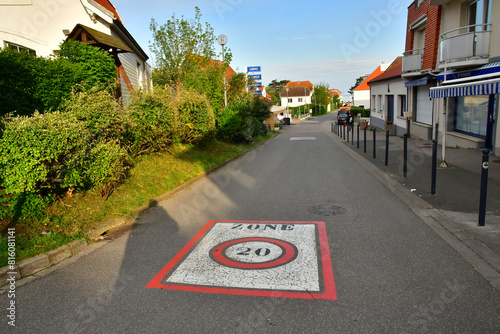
x,y
253,69
256,92
255,76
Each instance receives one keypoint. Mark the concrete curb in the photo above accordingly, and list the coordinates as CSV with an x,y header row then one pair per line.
x,y
32,268
480,256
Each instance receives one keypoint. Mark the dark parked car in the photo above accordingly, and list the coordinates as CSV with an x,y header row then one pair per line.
x,y
343,115
342,118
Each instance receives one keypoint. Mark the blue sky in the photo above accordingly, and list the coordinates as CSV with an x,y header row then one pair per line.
x,y
331,42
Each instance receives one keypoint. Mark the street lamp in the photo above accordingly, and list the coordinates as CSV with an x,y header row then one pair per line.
x,y
222,40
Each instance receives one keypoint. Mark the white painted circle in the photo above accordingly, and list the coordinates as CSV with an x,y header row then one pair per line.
x,y
254,252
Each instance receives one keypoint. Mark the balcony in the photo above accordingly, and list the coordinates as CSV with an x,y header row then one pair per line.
x,y
412,62
465,46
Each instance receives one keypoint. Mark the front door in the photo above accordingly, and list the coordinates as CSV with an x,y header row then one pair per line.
x,y
390,108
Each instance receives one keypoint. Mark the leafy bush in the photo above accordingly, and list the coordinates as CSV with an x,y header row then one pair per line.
x,y
30,83
37,153
196,116
360,111
230,120
153,122
94,66
99,112
106,167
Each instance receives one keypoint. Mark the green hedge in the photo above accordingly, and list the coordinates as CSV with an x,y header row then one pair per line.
x,y
30,83
360,112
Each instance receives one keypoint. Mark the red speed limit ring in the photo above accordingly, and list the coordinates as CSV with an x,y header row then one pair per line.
x,y
254,253
256,258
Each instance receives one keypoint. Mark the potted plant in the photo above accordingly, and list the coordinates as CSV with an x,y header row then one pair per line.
x,y
276,126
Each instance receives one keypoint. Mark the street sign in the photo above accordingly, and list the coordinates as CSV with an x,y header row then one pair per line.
x,y
256,92
256,84
253,69
253,258
255,76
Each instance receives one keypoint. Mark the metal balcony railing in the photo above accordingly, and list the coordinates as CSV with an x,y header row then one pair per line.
x,y
412,60
465,43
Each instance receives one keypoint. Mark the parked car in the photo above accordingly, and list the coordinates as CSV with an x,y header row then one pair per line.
x,y
343,115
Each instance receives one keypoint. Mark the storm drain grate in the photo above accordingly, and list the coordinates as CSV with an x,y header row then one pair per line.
x,y
326,210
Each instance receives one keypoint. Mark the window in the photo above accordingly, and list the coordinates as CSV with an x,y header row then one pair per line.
x,y
289,100
419,2
300,99
402,104
472,115
20,48
479,12
373,103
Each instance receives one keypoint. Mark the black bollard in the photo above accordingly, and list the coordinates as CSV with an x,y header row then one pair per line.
x,y
364,132
332,127
434,166
348,132
343,125
387,147
484,187
352,134
405,155
358,137
374,144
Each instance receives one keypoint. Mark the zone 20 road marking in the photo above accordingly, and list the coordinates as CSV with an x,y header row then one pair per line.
x,y
255,258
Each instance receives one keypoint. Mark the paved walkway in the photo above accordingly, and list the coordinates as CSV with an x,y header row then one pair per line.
x,y
457,188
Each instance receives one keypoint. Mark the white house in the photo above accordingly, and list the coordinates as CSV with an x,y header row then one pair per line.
x,y
295,96
41,26
388,99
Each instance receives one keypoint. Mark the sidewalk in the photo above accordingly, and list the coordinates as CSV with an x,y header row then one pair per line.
x,y
457,187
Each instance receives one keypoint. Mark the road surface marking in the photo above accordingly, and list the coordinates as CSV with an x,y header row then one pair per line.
x,y
255,258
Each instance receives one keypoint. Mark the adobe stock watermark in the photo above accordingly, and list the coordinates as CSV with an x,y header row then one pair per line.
x,y
224,6
372,29
48,11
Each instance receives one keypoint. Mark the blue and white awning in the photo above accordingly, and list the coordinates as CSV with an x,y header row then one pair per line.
x,y
485,87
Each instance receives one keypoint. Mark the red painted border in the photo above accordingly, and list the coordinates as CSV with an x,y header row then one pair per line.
x,y
288,255
326,264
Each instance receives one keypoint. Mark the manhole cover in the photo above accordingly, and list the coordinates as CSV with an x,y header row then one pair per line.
x,y
326,210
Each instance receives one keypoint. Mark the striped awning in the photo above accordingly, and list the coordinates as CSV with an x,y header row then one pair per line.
x,y
485,87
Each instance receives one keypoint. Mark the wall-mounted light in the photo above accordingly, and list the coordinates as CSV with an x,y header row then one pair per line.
x,y
388,88
66,32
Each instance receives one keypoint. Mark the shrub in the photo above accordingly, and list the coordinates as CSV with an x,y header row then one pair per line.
x,y
360,111
230,120
99,112
38,153
106,167
196,117
30,83
153,122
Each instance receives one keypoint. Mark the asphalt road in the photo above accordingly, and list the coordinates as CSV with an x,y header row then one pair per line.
x,y
392,273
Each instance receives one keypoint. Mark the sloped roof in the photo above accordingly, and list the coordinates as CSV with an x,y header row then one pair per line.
x,y
364,84
393,71
83,33
299,84
295,91
106,4
335,91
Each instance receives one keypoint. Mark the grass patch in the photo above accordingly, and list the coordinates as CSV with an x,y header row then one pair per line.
x,y
150,176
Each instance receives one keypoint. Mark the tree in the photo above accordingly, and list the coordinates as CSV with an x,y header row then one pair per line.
x,y
181,47
322,94
275,87
358,82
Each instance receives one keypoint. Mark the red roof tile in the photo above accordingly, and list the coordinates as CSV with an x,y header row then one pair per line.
x,y
364,84
393,71
300,84
106,4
